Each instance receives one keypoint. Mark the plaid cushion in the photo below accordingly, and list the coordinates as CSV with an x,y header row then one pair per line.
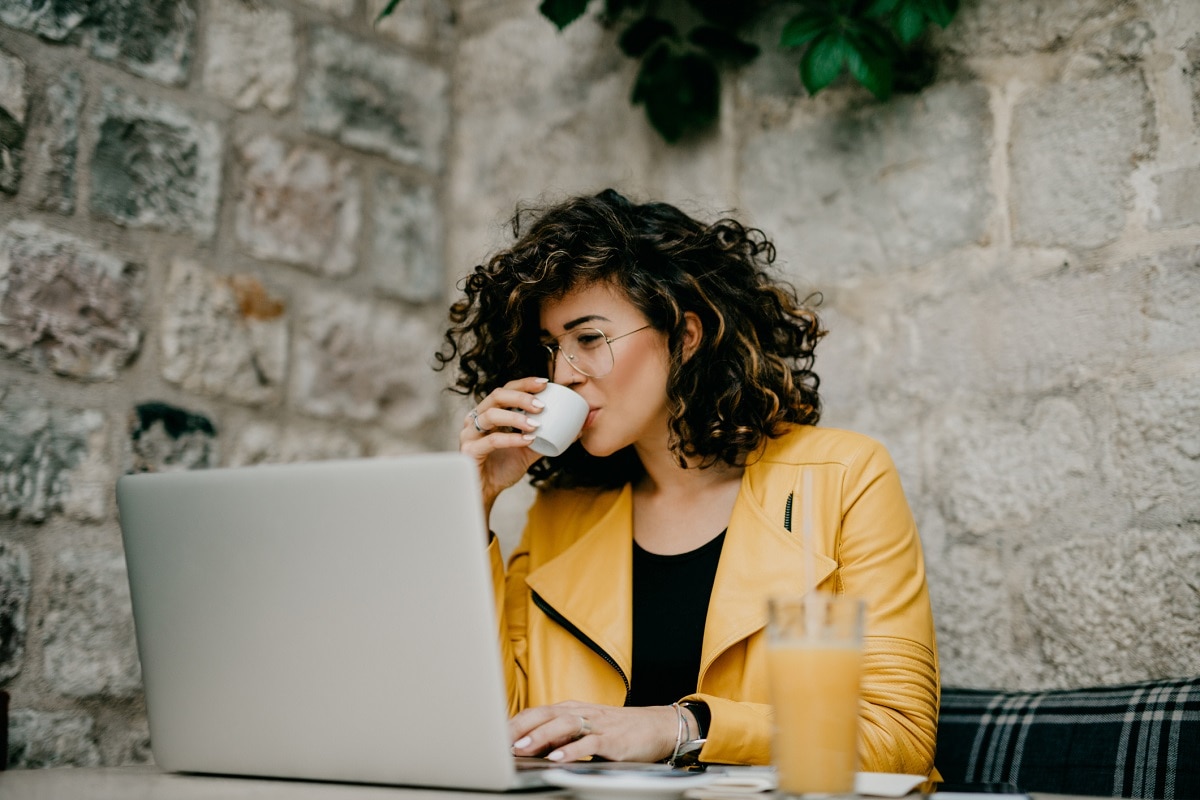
x,y
1137,740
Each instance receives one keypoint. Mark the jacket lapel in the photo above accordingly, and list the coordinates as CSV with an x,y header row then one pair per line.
x,y
591,582
760,558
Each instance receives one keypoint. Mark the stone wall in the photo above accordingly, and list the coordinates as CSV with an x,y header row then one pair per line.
x,y
221,242
228,231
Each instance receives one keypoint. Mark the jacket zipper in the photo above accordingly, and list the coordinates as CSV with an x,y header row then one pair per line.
x,y
787,513
578,634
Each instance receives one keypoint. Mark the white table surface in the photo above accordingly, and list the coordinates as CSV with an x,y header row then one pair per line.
x,y
150,783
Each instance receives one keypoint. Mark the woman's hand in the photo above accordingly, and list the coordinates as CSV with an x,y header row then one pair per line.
x,y
497,433
572,731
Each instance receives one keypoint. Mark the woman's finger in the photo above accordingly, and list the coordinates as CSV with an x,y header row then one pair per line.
x,y
540,734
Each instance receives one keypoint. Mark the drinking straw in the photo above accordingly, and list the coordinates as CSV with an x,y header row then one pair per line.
x,y
810,568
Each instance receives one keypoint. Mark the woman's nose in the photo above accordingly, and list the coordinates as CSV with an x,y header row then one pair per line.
x,y
563,371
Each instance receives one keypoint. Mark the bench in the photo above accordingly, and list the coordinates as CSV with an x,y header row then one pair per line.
x,y
1133,740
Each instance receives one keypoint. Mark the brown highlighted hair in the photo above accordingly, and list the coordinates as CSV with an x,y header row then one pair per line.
x,y
749,379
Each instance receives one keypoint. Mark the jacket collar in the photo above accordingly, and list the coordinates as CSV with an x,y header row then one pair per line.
x,y
591,582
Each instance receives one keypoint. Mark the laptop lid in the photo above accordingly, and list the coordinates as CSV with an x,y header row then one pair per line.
x,y
331,621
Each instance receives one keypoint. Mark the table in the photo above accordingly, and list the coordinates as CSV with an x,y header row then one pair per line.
x,y
150,783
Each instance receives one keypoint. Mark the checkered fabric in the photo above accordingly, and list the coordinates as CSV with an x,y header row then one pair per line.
x,y
1137,740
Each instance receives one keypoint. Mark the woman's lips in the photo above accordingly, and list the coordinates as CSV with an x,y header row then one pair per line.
x,y
591,417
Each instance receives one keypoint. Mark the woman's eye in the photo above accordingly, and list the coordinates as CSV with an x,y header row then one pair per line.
x,y
587,340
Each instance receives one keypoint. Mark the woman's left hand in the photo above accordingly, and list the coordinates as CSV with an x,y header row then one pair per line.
x,y
572,731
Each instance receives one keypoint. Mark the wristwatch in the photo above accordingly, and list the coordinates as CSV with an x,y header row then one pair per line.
x,y
688,756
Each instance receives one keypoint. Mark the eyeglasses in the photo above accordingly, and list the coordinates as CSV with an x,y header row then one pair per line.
x,y
588,350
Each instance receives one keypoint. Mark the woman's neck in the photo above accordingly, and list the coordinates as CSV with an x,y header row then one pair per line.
x,y
677,509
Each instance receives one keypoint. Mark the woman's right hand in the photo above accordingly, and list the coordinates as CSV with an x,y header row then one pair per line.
x,y
497,434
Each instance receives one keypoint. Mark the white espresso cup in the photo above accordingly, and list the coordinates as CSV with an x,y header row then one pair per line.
x,y
561,420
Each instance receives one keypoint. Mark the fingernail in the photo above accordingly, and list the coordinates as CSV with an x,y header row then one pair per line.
x,y
543,380
529,437
522,743
557,755
538,403
533,423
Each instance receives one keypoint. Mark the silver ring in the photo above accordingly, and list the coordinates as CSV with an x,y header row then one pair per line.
x,y
474,414
585,727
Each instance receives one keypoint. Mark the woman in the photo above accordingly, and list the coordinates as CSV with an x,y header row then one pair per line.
x,y
633,610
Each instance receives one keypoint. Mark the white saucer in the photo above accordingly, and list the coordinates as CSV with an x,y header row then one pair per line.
x,y
613,784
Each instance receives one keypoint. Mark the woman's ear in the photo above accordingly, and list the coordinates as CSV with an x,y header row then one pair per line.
x,y
693,333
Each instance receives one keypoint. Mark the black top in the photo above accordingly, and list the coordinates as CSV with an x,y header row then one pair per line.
x,y
670,603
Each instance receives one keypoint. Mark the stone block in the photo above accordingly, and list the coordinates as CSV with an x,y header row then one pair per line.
x,y
39,739
299,205
338,8
1169,291
376,100
1111,48
267,443
873,191
59,148
53,460
1191,53
989,29
126,743
576,85
166,438
1074,147
972,608
155,165
1032,472
150,38
66,305
88,641
1117,609
54,21
1002,337
364,361
223,335
13,106
251,57
1178,198
415,23
14,605
406,250
1156,439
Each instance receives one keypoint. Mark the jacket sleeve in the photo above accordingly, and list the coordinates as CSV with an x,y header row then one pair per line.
x,y
874,541
512,611
879,559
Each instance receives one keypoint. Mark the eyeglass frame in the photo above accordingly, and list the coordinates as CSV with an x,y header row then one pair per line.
x,y
556,348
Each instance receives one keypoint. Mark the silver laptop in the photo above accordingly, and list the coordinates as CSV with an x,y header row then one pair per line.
x,y
329,621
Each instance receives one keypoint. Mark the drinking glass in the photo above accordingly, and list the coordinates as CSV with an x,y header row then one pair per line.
x,y
814,664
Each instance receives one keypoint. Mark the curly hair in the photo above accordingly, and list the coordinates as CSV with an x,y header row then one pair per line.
x,y
751,376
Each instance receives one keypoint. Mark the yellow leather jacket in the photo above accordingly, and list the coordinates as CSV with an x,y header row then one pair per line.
x,y
565,600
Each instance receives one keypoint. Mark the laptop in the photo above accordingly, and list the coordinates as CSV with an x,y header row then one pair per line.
x,y
327,621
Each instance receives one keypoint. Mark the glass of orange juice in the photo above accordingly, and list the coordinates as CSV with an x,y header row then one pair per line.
x,y
814,664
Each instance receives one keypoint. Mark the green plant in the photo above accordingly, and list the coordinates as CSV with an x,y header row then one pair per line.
x,y
683,44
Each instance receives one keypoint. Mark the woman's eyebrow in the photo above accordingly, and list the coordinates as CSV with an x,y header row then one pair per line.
x,y
575,323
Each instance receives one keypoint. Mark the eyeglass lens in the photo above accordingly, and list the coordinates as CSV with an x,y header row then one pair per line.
x,y
586,349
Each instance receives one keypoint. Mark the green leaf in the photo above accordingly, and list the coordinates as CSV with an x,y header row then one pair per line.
x,y
724,13
723,45
639,37
563,12
613,9
803,28
681,91
823,61
941,11
909,21
870,67
387,10
881,8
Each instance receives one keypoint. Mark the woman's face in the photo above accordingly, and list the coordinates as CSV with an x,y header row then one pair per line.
x,y
629,404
